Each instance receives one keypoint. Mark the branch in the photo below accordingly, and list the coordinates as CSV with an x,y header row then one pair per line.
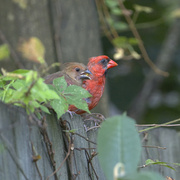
x,y
34,154
160,125
84,138
140,42
158,147
67,155
152,80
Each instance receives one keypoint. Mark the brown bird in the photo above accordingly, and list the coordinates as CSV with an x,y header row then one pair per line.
x,y
73,72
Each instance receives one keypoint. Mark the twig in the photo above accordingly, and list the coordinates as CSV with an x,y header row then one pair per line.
x,y
81,149
13,53
49,146
89,162
67,155
30,87
158,147
145,138
84,138
140,42
93,128
107,16
103,21
12,154
37,121
49,149
35,161
160,125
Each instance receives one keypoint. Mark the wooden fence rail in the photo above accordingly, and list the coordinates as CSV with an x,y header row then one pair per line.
x,y
72,155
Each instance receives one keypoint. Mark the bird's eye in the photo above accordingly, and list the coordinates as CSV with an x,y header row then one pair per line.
x,y
103,61
77,69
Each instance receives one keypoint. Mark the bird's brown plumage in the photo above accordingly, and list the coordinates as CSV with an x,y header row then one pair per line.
x,y
73,72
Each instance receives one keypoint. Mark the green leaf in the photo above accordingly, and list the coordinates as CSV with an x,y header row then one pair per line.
x,y
133,41
76,95
120,26
121,41
151,162
140,8
118,142
144,176
21,71
60,84
60,106
116,11
45,109
50,94
1,94
18,84
176,164
111,3
42,92
31,76
4,52
2,83
77,91
70,131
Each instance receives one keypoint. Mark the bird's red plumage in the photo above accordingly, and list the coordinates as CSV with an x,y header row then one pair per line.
x,y
98,67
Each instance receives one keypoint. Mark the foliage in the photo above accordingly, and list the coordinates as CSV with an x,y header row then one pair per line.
x,y
4,52
68,95
151,162
119,150
26,89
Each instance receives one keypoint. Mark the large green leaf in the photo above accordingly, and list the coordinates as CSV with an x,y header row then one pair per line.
x,y
118,142
60,106
60,84
19,84
42,92
76,95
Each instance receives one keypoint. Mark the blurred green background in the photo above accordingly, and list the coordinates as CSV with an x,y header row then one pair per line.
x,y
77,30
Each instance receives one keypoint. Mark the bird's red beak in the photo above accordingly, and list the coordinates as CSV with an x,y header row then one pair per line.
x,y
111,64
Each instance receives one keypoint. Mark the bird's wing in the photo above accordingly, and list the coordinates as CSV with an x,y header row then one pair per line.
x,y
49,79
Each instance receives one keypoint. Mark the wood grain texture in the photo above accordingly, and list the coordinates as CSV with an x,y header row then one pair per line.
x,y
162,137
17,135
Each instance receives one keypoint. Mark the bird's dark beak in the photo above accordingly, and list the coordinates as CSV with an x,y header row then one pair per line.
x,y
111,64
85,74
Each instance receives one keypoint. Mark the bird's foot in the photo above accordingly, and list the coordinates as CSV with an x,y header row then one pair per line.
x,y
71,114
96,118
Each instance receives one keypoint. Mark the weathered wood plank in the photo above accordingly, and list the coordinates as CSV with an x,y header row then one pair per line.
x,y
162,137
19,134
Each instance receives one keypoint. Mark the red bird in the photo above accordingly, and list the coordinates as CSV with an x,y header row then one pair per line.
x,y
98,66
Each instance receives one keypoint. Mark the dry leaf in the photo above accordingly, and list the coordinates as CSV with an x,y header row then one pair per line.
x,y
33,50
36,158
21,3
